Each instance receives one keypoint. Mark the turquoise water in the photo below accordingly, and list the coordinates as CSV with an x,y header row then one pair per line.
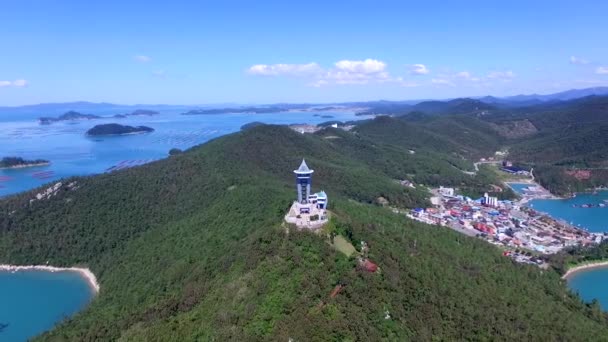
x,y
32,302
72,153
518,187
594,219
590,284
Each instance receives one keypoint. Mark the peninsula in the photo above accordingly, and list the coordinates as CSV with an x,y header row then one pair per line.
x,y
18,162
116,129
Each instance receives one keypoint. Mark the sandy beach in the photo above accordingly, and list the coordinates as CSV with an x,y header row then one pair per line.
x,y
587,266
84,272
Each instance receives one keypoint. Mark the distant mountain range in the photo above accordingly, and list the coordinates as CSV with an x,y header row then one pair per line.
x,y
426,105
522,100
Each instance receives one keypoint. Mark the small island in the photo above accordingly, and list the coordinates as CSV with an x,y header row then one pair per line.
x,y
69,116
18,162
116,129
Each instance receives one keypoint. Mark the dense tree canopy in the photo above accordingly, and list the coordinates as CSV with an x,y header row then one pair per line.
x,y
194,247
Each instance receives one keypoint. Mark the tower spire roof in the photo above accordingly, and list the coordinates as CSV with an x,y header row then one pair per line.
x,y
303,169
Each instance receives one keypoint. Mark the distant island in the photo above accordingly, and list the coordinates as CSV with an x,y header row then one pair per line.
x,y
324,116
73,116
116,129
138,112
69,116
254,110
18,162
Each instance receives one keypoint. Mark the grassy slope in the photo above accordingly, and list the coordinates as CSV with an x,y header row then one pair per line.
x,y
192,248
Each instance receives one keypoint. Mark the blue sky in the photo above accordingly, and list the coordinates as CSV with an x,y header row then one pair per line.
x,y
199,52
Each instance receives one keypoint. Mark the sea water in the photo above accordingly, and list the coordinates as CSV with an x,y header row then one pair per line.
x,y
72,153
593,282
594,219
33,301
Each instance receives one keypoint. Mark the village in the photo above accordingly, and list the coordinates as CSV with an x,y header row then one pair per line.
x,y
523,233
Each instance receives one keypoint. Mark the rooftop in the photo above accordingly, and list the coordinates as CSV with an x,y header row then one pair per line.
x,y
303,169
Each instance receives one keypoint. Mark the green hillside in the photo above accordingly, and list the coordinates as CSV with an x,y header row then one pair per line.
x,y
570,135
193,248
433,108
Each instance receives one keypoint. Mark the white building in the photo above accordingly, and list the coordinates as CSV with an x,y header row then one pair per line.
x,y
446,191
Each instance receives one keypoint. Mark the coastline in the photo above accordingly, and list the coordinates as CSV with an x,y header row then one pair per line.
x,y
525,197
84,272
587,266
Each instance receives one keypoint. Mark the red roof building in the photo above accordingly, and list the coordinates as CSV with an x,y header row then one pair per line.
x,y
369,266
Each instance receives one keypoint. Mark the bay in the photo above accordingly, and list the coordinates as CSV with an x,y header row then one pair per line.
x,y
33,301
591,284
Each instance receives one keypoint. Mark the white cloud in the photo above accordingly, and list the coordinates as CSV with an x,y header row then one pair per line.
x,y
357,72
467,76
20,83
578,60
602,70
368,66
404,83
442,81
501,75
142,58
284,69
343,72
418,69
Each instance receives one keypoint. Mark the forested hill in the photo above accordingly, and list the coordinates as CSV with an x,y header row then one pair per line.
x,y
193,248
570,136
556,138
